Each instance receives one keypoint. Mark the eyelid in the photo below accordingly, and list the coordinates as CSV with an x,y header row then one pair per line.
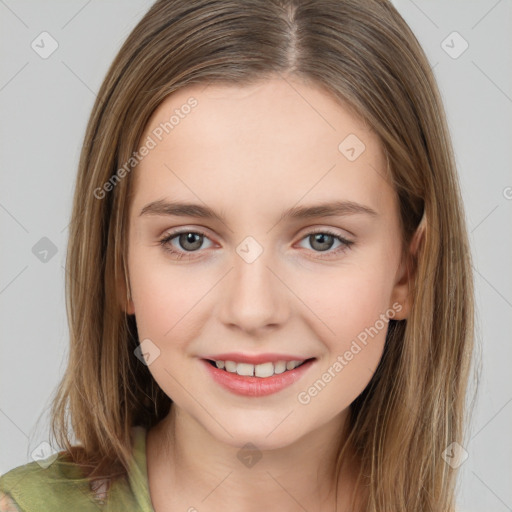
x,y
320,228
310,230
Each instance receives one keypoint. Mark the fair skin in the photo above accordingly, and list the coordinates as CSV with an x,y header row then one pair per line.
x,y
250,154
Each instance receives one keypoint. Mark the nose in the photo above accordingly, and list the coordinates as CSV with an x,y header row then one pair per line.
x,y
253,298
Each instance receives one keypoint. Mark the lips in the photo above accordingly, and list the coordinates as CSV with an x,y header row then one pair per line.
x,y
256,358
263,370
256,386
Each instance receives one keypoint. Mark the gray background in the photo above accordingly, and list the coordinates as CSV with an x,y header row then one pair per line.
x,y
44,105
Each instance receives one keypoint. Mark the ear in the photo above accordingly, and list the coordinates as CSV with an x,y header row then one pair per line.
x,y
402,291
130,308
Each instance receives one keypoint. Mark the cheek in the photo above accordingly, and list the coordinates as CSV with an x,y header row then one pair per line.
x,y
162,297
355,314
360,333
351,318
348,300
164,300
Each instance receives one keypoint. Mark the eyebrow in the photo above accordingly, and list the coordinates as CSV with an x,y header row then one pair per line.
x,y
328,209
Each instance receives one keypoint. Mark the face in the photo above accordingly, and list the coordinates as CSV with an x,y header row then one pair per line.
x,y
258,267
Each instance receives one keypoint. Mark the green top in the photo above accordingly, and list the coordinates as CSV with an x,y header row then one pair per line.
x,y
45,486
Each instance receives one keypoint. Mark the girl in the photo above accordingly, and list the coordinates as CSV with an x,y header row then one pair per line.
x,y
268,276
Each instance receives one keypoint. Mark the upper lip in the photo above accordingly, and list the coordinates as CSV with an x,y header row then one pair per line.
x,y
255,358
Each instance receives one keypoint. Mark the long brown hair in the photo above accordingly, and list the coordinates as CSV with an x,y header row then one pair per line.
x,y
363,53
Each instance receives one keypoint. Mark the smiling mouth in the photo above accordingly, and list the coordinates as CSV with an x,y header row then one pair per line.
x,y
263,370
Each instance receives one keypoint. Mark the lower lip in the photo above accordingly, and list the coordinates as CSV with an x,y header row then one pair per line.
x,y
256,386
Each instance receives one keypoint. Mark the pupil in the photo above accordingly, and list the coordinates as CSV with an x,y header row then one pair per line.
x,y
320,238
188,238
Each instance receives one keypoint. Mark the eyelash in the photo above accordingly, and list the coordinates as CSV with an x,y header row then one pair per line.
x,y
164,242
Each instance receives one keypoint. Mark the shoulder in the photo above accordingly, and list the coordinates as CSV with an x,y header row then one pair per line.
x,y
56,483
48,485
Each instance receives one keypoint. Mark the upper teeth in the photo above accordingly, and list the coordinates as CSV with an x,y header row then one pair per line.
x,y
258,370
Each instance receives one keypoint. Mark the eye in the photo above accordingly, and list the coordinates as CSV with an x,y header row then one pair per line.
x,y
323,241
187,242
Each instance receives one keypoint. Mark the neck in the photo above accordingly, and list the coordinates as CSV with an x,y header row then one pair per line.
x,y
299,476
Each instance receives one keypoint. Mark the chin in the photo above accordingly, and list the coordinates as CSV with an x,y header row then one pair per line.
x,y
264,435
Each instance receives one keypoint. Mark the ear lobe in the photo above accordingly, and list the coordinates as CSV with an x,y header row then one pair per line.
x,y
129,308
402,292
125,297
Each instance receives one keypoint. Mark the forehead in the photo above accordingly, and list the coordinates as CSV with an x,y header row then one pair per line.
x,y
279,135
